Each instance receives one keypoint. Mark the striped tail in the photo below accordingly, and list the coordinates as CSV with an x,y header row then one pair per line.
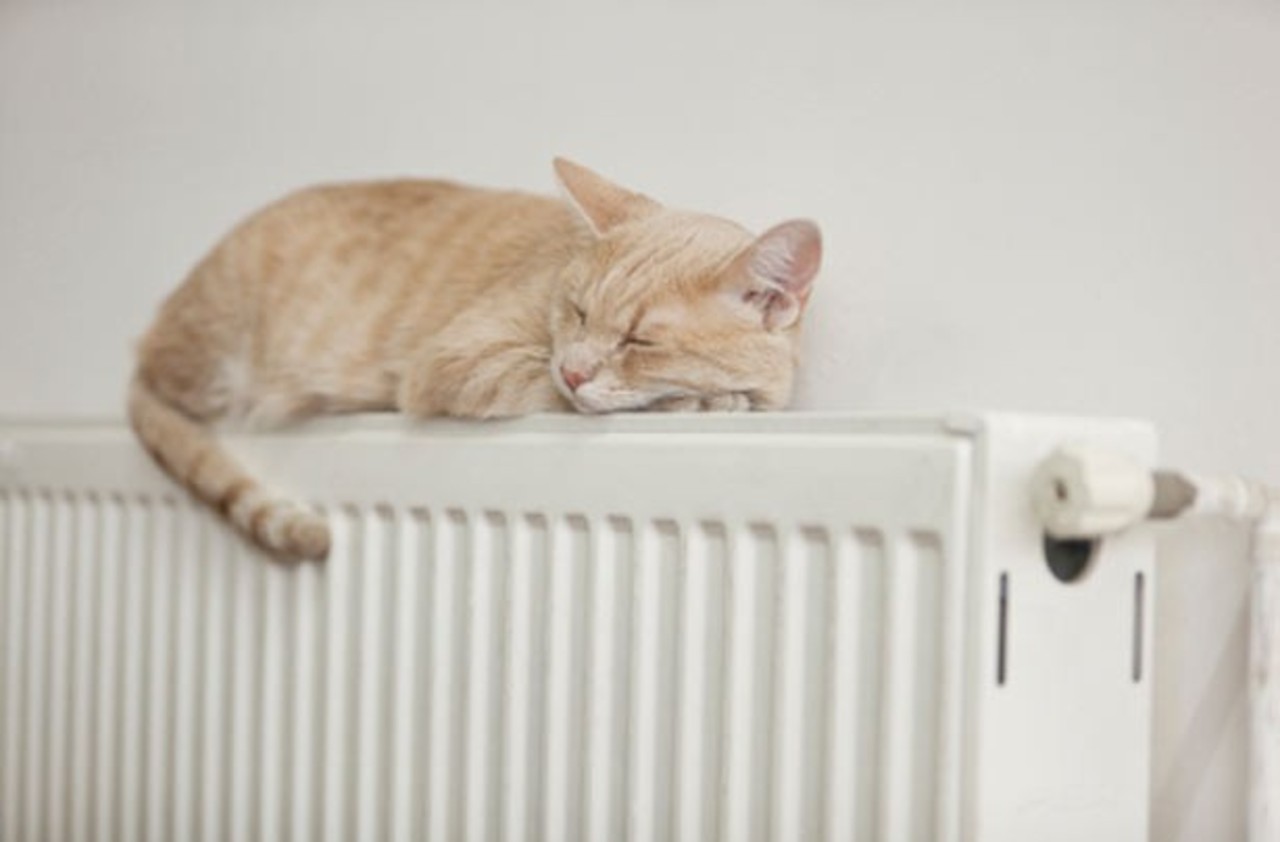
x,y
190,454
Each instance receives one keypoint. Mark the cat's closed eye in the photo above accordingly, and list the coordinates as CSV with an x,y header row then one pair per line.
x,y
633,341
579,313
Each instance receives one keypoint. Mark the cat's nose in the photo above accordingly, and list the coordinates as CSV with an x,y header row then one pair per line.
x,y
574,378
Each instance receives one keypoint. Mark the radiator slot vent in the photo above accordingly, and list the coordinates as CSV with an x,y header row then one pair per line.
x,y
1002,624
1069,558
1139,608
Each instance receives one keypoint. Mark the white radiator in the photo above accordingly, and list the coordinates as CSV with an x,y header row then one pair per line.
x,y
783,627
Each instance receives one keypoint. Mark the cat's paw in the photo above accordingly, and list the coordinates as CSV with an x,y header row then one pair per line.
x,y
731,402
680,403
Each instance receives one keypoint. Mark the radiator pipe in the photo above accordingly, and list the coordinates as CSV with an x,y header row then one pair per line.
x,y
1084,493
1264,682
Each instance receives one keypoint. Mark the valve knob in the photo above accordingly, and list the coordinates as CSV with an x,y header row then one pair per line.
x,y
1086,492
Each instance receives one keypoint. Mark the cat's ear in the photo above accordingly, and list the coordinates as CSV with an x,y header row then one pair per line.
x,y
775,275
602,203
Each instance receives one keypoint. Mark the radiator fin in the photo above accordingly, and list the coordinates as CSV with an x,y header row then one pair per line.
x,y
853,746
909,708
609,679
699,742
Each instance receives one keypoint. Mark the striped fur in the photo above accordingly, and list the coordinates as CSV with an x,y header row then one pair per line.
x,y
194,458
436,299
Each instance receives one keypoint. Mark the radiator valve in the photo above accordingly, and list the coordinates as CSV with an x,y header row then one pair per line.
x,y
1085,492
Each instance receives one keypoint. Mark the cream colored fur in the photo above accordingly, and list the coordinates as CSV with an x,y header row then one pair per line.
x,y
438,299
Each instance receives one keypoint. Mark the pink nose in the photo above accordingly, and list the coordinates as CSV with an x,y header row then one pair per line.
x,y
573,379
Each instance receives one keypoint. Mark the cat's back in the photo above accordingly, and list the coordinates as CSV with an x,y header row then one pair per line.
x,y
338,217
392,209
361,235
381,205
344,277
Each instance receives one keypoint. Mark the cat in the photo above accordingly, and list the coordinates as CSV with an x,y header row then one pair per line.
x,y
438,299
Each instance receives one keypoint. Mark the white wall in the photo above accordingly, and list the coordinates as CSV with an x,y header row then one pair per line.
x,y
1055,209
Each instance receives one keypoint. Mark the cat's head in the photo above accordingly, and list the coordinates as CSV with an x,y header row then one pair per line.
x,y
665,307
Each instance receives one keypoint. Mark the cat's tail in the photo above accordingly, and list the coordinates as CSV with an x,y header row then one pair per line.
x,y
191,455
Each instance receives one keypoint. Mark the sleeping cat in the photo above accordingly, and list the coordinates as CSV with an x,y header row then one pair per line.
x,y
436,299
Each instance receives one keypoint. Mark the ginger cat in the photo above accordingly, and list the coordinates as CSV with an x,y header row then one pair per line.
x,y
443,300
